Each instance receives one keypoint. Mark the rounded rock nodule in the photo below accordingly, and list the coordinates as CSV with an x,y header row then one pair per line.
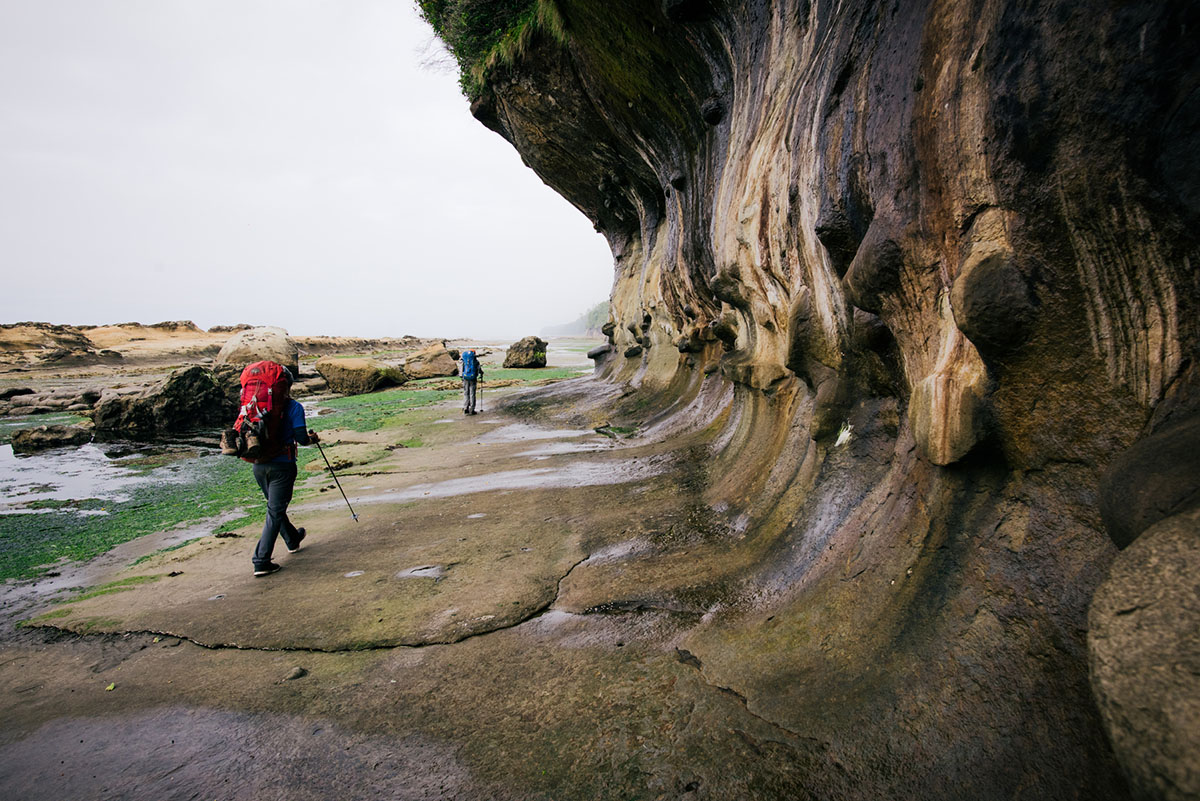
x,y
991,304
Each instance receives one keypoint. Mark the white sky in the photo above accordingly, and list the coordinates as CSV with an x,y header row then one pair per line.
x,y
282,162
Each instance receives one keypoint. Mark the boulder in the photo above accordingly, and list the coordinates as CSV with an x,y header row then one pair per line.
x,y
230,379
528,352
258,344
991,303
12,392
310,386
357,376
190,398
27,440
600,352
1144,659
1159,476
35,399
432,362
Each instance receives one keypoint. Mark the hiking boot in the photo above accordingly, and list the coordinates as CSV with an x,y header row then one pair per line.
x,y
229,442
266,570
299,539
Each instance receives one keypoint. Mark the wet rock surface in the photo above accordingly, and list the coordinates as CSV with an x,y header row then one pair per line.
x,y
577,568
39,438
182,751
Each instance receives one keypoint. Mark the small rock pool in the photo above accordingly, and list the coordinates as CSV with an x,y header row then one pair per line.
x,y
75,503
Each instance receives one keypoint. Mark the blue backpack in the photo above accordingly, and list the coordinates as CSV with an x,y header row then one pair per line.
x,y
470,368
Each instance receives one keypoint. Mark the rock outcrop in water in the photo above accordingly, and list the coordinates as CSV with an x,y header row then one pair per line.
x,y
912,276
434,361
188,399
356,376
29,440
527,352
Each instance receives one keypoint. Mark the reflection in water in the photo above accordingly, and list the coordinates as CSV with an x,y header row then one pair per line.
x,y
82,473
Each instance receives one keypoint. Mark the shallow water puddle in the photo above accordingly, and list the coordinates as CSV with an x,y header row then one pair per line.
x,y
557,448
577,474
520,432
436,572
617,552
553,618
86,472
61,474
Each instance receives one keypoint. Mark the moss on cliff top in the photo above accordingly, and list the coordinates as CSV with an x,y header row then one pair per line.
x,y
484,33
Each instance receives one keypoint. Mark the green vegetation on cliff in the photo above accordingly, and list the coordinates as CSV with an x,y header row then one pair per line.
x,y
484,33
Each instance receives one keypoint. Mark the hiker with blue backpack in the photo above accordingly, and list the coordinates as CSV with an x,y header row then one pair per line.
x,y
471,372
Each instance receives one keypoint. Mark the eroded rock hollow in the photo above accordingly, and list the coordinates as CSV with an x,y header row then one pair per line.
x,y
915,278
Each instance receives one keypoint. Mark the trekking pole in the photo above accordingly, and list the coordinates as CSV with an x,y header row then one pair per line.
x,y
335,480
480,383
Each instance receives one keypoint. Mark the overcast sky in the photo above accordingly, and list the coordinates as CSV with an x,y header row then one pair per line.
x,y
283,162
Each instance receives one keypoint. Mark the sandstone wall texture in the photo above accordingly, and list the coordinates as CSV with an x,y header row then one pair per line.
x,y
918,272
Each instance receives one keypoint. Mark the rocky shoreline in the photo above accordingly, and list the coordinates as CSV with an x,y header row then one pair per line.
x,y
122,376
37,346
175,378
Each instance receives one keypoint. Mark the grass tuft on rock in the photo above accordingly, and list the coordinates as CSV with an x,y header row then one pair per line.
x,y
485,34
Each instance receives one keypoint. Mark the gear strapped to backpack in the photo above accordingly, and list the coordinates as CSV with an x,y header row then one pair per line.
x,y
258,434
470,368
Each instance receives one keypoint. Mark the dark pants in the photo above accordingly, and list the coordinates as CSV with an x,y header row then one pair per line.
x,y
276,480
469,394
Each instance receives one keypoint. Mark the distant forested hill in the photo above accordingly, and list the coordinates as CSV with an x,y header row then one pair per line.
x,y
587,324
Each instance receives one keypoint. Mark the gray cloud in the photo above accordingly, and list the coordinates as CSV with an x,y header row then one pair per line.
x,y
277,162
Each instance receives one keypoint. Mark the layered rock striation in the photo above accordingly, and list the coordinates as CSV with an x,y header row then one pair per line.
x,y
917,273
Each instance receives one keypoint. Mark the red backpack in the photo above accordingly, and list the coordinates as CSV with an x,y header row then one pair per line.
x,y
261,420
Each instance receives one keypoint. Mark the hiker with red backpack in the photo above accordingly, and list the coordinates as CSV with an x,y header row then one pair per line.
x,y
269,427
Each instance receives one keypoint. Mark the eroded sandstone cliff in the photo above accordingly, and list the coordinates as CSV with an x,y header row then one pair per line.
x,y
906,277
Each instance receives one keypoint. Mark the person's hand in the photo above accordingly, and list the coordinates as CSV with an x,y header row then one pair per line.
x,y
312,436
